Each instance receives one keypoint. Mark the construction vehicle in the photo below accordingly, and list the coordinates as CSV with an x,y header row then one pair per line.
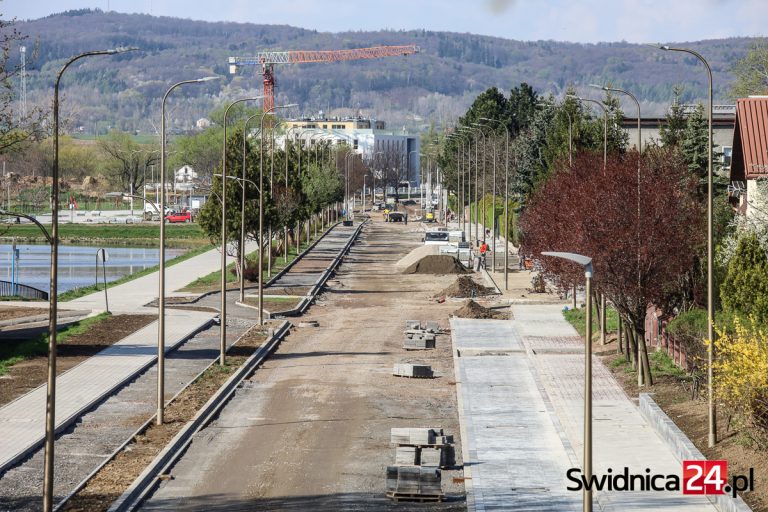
x,y
429,216
267,61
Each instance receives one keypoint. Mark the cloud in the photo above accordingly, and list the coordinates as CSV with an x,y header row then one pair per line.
x,y
500,6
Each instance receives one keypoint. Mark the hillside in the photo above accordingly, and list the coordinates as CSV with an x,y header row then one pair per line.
x,y
435,85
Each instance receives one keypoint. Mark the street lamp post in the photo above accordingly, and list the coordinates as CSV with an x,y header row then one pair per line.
x,y
261,207
585,262
223,304
605,124
480,127
50,398
506,202
710,256
242,210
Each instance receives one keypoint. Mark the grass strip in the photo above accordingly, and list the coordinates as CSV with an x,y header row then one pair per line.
x,y
577,318
214,278
12,353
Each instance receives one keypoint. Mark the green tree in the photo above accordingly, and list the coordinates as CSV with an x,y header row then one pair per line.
x,y
210,214
694,143
672,132
745,288
751,73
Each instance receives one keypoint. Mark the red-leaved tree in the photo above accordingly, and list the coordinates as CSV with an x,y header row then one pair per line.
x,y
638,259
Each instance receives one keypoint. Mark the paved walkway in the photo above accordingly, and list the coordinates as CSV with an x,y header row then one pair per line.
x,y
521,387
135,294
22,422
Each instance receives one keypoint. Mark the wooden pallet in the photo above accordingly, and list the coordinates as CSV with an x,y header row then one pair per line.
x,y
415,376
421,498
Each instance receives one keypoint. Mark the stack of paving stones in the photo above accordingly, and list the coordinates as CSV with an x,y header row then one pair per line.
x,y
418,337
420,453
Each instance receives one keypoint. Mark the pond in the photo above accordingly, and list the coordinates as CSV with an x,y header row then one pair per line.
x,y
77,264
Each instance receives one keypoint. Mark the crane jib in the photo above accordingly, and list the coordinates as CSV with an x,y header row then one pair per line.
x,y
300,56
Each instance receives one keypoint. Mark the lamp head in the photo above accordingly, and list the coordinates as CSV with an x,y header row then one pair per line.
x,y
122,49
208,78
596,86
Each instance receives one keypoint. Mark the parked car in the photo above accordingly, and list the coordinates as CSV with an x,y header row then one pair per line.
x,y
184,216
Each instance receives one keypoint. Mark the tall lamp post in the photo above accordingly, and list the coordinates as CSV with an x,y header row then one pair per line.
x,y
710,255
161,286
506,203
242,210
50,397
585,262
605,124
261,207
223,304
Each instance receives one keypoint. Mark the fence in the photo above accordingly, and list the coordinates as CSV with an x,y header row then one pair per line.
x,y
8,289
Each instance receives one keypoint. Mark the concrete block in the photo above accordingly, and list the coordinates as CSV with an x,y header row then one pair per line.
x,y
413,324
407,456
400,436
432,327
430,457
413,370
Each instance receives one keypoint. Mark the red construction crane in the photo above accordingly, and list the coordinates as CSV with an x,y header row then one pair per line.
x,y
267,61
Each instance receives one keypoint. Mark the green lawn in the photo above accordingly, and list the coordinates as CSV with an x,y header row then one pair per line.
x,y
12,353
129,234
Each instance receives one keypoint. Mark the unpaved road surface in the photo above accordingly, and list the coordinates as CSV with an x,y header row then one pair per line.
x,y
311,429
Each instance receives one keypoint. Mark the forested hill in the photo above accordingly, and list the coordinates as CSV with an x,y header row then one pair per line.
x,y
435,85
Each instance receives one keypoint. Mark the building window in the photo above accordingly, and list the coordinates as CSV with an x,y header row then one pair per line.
x,y
727,154
354,144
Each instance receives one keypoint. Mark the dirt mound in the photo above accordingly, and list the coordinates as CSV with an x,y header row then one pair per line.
x,y
472,309
436,264
466,287
416,254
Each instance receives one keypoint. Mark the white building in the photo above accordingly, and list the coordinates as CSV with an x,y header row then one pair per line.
x,y
366,137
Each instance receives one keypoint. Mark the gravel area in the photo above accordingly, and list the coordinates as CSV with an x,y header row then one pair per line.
x,y
311,429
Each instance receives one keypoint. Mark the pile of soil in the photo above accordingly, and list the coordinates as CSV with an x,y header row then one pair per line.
x,y
416,254
436,264
466,287
472,309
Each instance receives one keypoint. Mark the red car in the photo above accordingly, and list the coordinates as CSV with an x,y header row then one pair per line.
x,y
174,217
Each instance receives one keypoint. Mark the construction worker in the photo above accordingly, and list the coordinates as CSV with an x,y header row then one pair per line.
x,y
483,251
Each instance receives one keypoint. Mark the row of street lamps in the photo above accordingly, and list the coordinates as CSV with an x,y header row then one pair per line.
x,y
586,262
53,237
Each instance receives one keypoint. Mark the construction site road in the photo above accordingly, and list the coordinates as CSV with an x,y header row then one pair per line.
x,y
310,430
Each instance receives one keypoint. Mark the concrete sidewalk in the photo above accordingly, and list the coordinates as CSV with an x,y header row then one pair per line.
x,y
22,422
130,296
521,390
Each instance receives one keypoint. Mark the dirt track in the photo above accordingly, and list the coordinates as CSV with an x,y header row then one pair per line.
x,y
310,430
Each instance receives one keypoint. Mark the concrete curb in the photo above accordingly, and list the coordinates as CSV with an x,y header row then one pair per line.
x,y
145,483
683,448
106,393
469,490
304,304
489,279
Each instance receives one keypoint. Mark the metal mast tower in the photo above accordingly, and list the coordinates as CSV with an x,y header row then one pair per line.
x,y
23,98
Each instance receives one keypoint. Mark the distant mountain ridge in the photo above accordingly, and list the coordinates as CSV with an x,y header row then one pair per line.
x,y
436,85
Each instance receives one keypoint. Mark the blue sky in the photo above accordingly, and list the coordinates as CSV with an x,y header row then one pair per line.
x,y
562,20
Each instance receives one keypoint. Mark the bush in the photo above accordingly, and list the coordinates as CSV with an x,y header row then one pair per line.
x,y
689,329
741,377
745,288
